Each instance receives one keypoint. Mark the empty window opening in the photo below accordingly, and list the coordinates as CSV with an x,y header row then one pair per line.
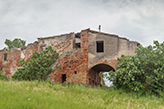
x,y
77,35
63,78
41,49
100,46
77,41
5,57
78,45
138,44
75,72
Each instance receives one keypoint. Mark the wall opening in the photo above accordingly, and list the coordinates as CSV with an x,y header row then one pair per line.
x,y
95,76
5,57
78,45
75,72
41,49
64,78
77,41
138,44
100,46
90,82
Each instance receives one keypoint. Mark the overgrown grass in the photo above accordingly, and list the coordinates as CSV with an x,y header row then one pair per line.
x,y
43,95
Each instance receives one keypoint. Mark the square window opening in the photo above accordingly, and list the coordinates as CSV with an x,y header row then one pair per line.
x,y
100,46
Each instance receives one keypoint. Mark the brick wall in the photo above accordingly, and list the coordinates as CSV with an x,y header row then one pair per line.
x,y
10,65
61,43
74,64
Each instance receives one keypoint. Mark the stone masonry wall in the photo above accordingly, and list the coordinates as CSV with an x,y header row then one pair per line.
x,y
74,64
10,65
113,45
126,47
30,49
109,55
61,43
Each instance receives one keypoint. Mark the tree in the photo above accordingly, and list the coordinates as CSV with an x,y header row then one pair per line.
x,y
143,72
15,43
38,68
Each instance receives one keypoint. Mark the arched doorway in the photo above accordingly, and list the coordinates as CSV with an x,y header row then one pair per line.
x,y
95,77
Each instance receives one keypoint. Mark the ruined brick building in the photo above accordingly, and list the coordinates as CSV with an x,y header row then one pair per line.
x,y
83,55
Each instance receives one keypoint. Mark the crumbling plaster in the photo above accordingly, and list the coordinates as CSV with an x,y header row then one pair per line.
x,y
61,43
79,60
10,66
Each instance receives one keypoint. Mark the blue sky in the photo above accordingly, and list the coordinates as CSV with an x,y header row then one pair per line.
x,y
137,20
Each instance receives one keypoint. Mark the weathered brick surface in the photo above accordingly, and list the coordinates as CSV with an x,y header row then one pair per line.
x,y
10,66
80,64
31,48
71,62
61,43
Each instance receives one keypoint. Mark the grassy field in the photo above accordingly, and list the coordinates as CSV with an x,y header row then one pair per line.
x,y
43,95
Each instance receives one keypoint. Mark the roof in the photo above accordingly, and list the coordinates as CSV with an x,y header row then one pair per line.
x,y
89,30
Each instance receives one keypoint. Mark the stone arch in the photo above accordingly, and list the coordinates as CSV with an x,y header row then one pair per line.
x,y
94,74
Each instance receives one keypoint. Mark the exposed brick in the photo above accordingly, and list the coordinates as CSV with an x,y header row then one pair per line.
x,y
80,65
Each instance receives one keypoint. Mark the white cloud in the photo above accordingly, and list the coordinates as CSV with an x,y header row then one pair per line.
x,y
28,19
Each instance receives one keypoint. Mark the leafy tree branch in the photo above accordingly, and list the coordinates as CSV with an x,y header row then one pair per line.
x,y
38,68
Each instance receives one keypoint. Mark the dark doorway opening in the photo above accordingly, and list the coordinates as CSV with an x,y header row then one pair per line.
x,y
100,46
5,57
95,74
63,78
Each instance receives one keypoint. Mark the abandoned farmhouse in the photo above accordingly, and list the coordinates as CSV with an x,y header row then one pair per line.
x,y
83,55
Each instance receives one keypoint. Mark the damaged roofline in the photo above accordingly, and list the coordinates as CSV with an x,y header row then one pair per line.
x,y
89,30
113,35
93,31
54,36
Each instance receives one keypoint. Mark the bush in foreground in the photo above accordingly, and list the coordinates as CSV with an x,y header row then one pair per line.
x,y
3,77
142,73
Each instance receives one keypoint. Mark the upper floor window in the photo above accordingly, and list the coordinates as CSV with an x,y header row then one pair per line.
x,y
100,46
41,49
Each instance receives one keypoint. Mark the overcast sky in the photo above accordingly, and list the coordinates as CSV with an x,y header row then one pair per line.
x,y
137,20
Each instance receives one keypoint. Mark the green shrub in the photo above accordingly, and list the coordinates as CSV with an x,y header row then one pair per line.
x,y
142,73
3,77
38,68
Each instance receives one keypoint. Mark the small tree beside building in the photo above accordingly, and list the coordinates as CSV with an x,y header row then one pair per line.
x,y
38,68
